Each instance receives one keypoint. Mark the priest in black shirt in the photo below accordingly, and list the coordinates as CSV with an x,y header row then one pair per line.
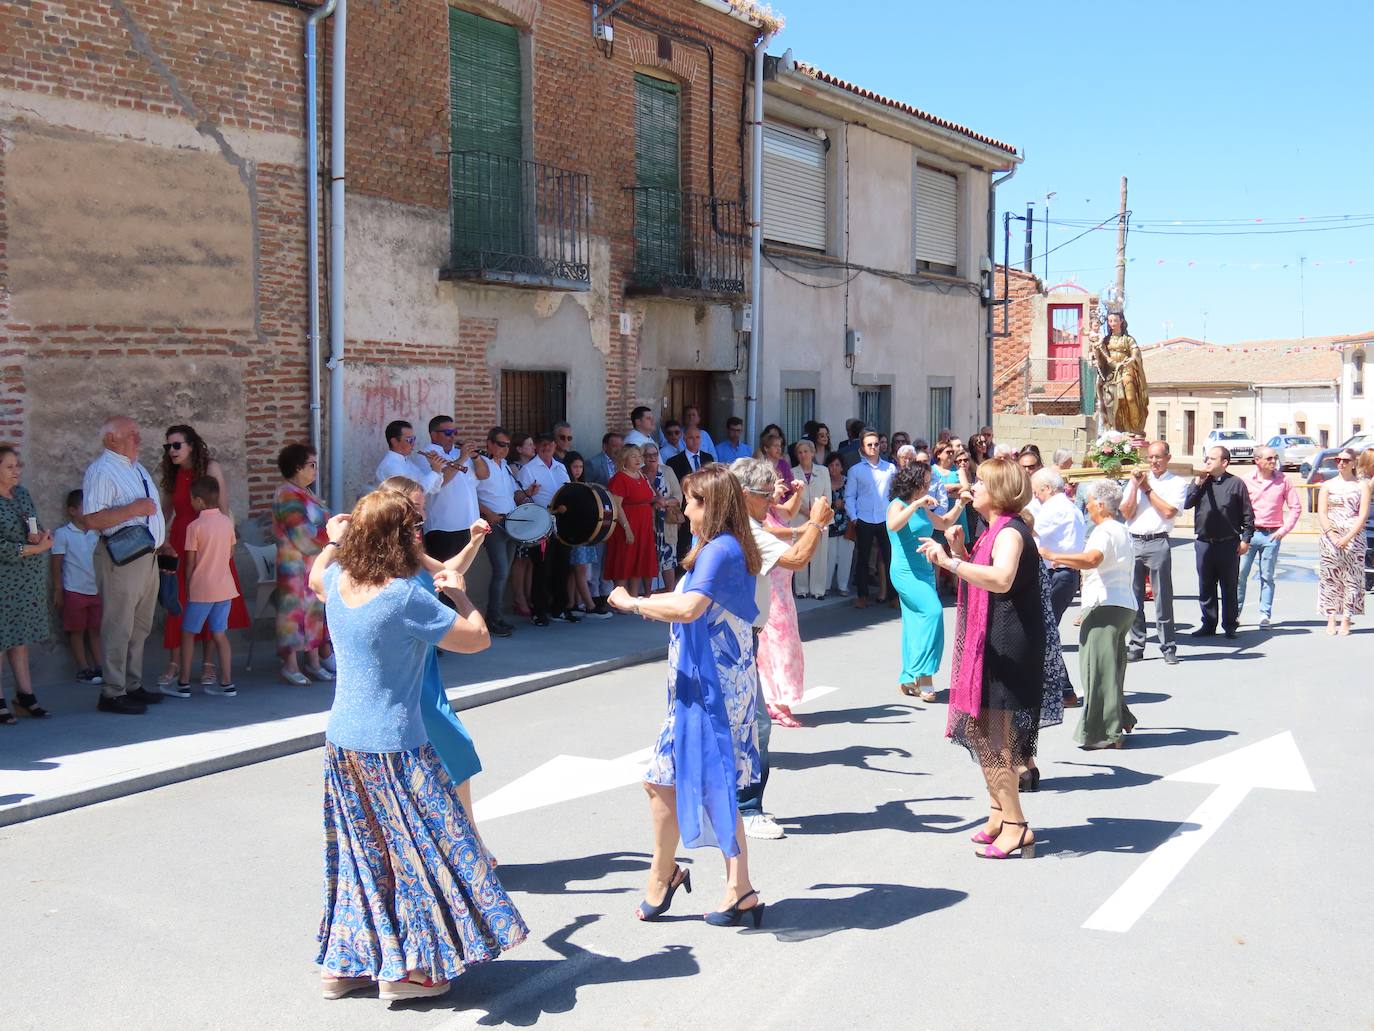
x,y
1224,523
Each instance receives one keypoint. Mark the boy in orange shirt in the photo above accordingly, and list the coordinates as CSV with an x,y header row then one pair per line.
x,y
210,587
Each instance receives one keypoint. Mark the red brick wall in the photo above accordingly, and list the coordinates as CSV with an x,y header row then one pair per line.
x,y
1009,353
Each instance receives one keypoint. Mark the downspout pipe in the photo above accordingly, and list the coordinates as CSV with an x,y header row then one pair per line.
x,y
312,205
338,82
991,287
751,398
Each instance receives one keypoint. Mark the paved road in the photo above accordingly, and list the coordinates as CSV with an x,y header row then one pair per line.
x,y
194,906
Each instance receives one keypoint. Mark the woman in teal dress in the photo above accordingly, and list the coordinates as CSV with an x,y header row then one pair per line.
x,y
910,517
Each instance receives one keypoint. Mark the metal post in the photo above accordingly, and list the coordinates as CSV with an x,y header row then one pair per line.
x,y
1030,239
751,398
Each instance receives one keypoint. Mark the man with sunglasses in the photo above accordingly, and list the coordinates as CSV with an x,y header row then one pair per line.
x,y
865,499
1277,510
428,470
563,443
497,495
450,513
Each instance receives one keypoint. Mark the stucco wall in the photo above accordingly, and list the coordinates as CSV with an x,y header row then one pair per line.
x,y
1317,408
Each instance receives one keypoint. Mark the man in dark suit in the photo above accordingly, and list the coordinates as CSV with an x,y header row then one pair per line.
x,y
684,463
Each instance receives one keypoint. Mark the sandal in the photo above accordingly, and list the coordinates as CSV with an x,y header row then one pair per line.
x,y
28,705
6,717
208,675
983,837
908,689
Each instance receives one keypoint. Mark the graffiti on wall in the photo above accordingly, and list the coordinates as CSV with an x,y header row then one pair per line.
x,y
374,395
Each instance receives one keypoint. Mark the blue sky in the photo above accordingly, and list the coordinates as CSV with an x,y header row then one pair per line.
x,y
1213,110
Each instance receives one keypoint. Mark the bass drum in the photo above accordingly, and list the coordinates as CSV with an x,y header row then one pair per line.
x,y
529,524
584,513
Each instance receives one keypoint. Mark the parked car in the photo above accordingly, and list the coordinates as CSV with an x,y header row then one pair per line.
x,y
1238,442
1359,441
1293,450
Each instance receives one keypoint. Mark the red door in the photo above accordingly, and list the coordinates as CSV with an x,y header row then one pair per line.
x,y
1066,341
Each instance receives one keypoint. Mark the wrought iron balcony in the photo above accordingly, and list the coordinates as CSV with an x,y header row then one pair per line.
x,y
687,244
521,223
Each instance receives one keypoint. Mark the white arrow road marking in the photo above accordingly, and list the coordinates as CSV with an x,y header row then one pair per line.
x,y
1271,763
814,693
562,779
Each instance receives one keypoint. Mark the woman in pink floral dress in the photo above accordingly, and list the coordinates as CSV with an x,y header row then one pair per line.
x,y
298,522
781,666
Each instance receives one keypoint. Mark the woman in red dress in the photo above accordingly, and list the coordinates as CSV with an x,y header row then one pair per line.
x,y
631,554
185,457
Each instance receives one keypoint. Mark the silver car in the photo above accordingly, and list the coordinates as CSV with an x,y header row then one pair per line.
x,y
1293,449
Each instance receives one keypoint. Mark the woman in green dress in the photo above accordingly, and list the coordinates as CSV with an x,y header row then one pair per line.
x,y
23,583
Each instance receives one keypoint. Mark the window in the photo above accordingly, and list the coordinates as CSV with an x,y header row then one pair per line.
x,y
1302,425
1357,374
1356,427
1242,422
1162,425
936,220
1218,420
1283,429
531,402
794,192
875,404
798,408
658,177
1325,436
941,410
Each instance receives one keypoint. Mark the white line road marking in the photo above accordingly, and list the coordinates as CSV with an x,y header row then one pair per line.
x,y
562,779
813,693
1272,763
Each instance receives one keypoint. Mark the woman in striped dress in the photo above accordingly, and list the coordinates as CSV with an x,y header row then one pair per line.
x,y
1342,508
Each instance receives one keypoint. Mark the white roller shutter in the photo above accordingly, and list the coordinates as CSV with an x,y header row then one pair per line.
x,y
936,217
793,187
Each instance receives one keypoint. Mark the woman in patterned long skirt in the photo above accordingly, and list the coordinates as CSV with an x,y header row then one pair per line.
x,y
782,665
708,747
24,613
411,899
1342,508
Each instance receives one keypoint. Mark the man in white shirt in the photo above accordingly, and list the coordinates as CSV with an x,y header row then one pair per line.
x,y
450,513
117,492
733,446
865,499
759,480
641,426
672,440
498,493
691,419
1059,526
428,470
1149,504
540,479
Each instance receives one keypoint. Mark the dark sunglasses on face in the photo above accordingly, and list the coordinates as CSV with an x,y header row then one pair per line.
x,y
500,443
175,445
409,440
448,433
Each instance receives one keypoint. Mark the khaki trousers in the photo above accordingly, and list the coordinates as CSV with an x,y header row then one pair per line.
x,y
128,595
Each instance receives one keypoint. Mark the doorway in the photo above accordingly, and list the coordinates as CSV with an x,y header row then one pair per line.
x,y
1189,432
687,388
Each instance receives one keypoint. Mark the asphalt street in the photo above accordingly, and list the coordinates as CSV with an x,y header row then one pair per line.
x,y
195,905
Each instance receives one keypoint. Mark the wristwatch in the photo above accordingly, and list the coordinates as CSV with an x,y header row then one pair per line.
x,y
954,565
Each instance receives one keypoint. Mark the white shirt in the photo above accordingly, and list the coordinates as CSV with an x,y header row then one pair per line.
x,y
865,490
1059,525
635,437
113,480
497,491
454,507
1109,583
543,479
413,467
695,459
771,549
77,548
1147,520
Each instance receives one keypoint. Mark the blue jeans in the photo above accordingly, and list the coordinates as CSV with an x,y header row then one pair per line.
x,y
751,798
1265,547
499,549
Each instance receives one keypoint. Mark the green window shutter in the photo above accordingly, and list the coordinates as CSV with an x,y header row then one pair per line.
x,y
658,204
487,136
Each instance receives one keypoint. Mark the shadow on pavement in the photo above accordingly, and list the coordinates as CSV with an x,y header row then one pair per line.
x,y
519,992
1112,778
556,877
1146,697
1152,738
854,755
867,714
874,907
1108,834
895,815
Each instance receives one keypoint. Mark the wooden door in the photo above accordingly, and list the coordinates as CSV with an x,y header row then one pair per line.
x,y
1189,432
1065,345
687,388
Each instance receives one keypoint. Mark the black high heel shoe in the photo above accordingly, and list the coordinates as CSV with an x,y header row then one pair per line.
x,y
28,705
651,913
732,916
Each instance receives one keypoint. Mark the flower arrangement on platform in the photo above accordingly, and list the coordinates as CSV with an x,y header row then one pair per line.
x,y
1112,450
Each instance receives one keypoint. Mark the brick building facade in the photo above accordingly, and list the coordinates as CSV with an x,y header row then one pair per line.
x,y
1036,367
153,226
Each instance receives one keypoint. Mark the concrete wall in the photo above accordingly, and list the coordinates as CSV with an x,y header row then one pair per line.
x,y
1047,432
1310,410
1357,410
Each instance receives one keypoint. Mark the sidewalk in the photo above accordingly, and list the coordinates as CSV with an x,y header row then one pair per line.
x,y
81,756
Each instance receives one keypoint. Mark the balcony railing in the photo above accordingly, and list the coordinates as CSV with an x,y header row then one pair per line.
x,y
521,223
687,244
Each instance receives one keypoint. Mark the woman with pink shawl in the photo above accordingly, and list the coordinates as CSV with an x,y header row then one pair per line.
x,y
997,685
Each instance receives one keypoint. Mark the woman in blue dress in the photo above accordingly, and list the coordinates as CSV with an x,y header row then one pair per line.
x,y
911,516
411,900
708,747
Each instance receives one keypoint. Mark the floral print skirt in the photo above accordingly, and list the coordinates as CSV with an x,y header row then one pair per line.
x,y
407,885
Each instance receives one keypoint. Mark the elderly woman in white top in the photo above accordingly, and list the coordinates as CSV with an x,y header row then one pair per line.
x,y
1107,564
810,582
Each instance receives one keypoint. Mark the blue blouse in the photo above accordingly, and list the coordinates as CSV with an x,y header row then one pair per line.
x,y
381,648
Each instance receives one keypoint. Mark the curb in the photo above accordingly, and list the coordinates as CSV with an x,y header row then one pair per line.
x,y
500,691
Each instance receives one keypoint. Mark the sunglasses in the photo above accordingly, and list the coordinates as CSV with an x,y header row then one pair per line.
x,y
176,445
500,443
1344,459
409,440
449,433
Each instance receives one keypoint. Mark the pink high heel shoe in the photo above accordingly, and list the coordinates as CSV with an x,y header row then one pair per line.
x,y
982,837
1023,848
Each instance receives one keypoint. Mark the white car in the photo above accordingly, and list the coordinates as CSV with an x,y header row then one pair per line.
x,y
1293,450
1238,442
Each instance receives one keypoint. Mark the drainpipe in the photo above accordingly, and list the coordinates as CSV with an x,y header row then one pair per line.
x,y
312,207
338,83
751,398
992,308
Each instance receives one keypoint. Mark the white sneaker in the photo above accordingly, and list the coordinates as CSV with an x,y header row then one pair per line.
x,y
329,664
319,673
762,825
1264,623
294,677
223,690
175,689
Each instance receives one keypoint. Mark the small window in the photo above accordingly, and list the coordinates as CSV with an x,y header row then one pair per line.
x,y
531,402
936,218
1283,429
1162,425
875,404
1325,436
1356,427
941,410
1302,427
1242,422
798,408
1357,374
1218,420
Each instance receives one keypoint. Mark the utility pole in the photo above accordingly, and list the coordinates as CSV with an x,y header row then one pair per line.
x,y
1121,248
1030,229
1302,296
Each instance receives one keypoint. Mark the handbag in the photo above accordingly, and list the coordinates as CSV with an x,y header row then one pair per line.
x,y
168,594
131,542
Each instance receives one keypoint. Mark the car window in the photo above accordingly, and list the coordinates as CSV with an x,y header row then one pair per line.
x,y
1231,435
1301,441
1275,442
